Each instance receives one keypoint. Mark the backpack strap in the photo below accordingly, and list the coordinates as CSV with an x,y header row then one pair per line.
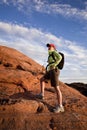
x,y
53,56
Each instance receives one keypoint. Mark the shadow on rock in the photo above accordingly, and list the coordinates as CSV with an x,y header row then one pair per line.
x,y
24,95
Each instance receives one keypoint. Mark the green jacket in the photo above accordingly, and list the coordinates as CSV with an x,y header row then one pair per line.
x,y
51,62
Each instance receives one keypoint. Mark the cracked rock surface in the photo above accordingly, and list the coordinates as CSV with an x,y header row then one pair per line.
x,y
20,109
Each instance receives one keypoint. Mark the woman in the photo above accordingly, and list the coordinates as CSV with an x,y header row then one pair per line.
x,y
52,74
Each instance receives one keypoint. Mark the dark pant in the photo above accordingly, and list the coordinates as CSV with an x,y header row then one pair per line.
x,y
53,76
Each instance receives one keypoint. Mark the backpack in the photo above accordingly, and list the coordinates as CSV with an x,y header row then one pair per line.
x,y
61,64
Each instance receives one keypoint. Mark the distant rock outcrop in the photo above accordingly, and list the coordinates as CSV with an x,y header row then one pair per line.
x,y
81,87
20,109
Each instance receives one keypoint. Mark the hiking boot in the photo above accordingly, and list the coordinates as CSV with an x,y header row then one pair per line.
x,y
40,96
59,109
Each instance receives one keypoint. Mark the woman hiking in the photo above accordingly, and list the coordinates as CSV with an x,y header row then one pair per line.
x,y
52,74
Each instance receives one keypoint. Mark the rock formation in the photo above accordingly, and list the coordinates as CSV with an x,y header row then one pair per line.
x,y
20,109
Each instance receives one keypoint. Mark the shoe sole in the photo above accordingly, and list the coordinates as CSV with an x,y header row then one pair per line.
x,y
39,97
55,111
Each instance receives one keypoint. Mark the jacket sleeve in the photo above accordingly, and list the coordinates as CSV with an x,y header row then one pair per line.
x,y
57,58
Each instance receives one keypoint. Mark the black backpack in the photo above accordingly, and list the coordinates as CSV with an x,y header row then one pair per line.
x,y
61,64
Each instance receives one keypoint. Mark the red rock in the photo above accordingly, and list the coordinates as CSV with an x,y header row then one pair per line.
x,y
21,110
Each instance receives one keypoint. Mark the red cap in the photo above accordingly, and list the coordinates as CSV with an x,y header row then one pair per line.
x,y
51,45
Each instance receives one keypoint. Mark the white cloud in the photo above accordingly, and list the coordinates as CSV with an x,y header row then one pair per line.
x,y
44,6
32,41
4,1
63,9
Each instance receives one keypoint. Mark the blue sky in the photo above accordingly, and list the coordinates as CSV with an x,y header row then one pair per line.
x,y
27,25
